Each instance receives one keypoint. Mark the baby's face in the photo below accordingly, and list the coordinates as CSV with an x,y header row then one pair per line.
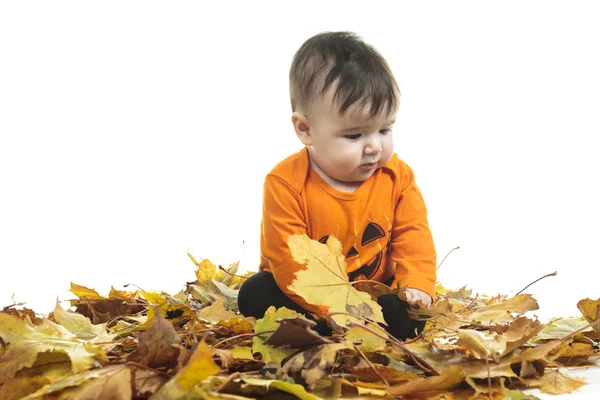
x,y
349,147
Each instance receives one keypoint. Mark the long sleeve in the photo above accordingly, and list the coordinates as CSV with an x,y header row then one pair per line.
x,y
412,246
282,217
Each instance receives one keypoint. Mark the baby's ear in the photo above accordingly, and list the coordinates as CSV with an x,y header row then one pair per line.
x,y
301,126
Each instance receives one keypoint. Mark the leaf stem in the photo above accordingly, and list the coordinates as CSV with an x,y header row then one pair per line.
x,y
444,259
539,279
229,273
242,335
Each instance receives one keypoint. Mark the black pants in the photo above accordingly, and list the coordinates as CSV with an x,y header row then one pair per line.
x,y
260,291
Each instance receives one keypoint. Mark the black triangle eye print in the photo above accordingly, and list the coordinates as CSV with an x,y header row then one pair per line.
x,y
352,252
324,239
372,232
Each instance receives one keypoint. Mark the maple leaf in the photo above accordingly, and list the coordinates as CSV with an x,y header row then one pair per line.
x,y
269,323
324,282
25,341
210,285
555,382
216,312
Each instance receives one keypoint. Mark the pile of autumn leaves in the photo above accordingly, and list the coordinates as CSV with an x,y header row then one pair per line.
x,y
194,345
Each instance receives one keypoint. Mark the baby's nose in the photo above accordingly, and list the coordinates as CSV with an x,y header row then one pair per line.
x,y
373,146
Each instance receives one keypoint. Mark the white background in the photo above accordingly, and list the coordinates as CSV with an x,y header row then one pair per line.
x,y
133,131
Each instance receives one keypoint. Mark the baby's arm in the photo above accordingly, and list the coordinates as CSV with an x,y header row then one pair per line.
x,y
412,246
283,217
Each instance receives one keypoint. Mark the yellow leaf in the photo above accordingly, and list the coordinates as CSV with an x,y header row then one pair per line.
x,y
502,312
368,341
482,345
25,340
244,352
591,312
206,271
84,292
76,323
555,382
112,382
216,312
324,283
448,379
200,366
237,325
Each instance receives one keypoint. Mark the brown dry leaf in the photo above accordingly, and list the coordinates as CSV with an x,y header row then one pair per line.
x,y
22,313
313,363
267,324
297,331
216,312
100,309
157,346
324,283
591,312
146,382
448,379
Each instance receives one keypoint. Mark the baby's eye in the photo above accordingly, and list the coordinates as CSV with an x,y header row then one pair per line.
x,y
356,136
385,131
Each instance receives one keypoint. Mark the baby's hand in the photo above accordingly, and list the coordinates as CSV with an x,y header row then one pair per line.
x,y
413,295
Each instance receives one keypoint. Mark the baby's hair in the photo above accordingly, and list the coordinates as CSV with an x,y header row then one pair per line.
x,y
362,75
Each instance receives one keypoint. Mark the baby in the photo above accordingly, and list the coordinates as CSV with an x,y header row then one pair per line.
x,y
347,182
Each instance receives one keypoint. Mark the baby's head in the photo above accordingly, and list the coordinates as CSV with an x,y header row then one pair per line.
x,y
344,100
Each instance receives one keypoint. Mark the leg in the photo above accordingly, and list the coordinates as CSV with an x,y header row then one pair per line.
x,y
260,291
396,316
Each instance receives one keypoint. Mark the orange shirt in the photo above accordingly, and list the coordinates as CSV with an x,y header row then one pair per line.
x,y
382,225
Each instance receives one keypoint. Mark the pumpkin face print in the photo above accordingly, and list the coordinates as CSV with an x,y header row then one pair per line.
x,y
371,233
